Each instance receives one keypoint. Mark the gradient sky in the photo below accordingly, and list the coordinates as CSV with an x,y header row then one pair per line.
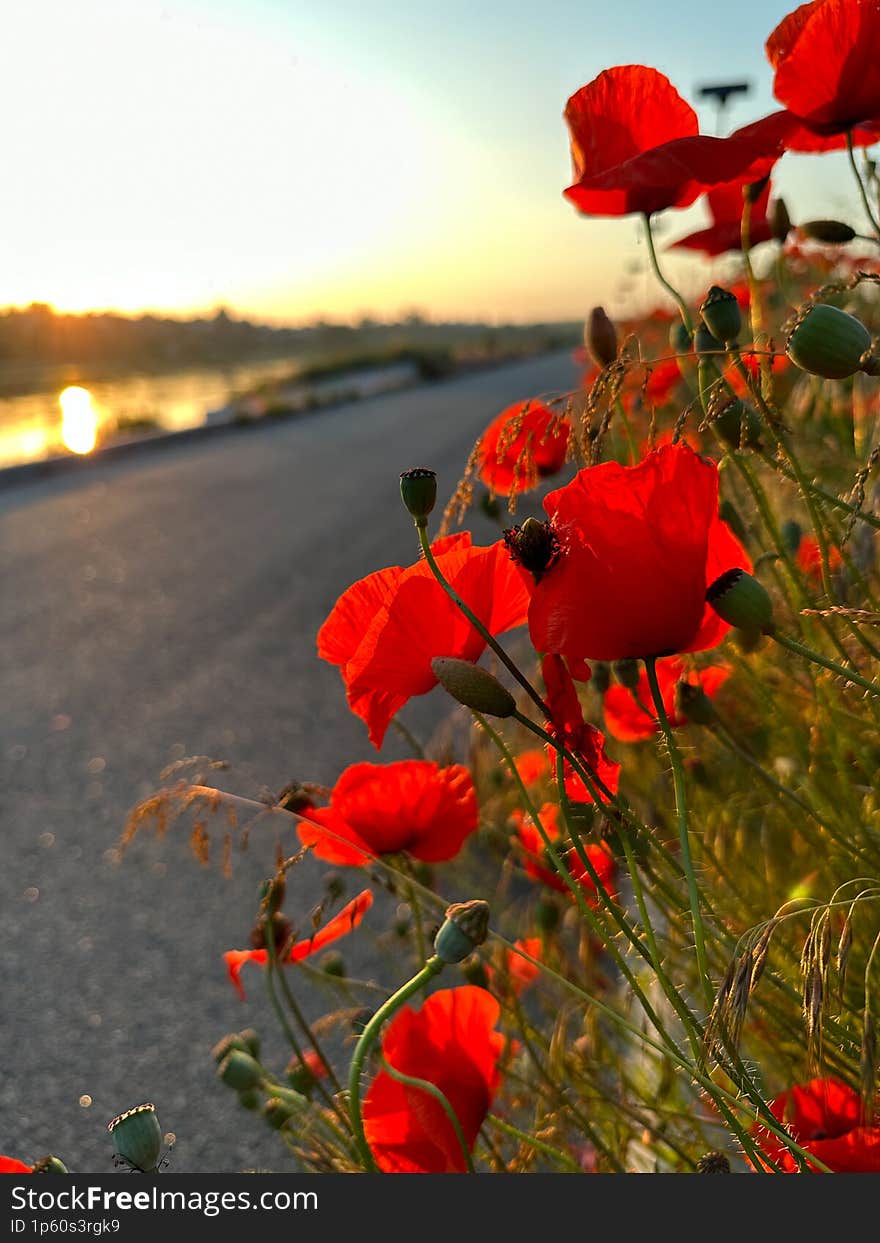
x,y
289,158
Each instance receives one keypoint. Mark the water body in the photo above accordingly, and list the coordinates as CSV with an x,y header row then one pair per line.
x,y
32,426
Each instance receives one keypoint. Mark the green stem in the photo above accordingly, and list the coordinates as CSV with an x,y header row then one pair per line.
x,y
670,289
866,202
423,1085
848,675
367,1039
681,812
422,529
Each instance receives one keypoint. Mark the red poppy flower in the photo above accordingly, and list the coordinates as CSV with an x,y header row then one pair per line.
x,y
824,1116
641,545
826,57
585,740
380,809
532,766
385,630
627,720
339,926
663,378
809,558
782,131
635,147
9,1165
725,205
526,442
519,972
540,868
452,1043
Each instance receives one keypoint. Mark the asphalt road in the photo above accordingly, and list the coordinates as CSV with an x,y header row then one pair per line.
x,y
160,606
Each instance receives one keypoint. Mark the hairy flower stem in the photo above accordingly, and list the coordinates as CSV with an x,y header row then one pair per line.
x,y
366,1041
848,675
422,529
670,289
423,1085
681,812
863,193
593,922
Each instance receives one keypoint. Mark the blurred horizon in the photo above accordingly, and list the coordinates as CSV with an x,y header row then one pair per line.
x,y
340,160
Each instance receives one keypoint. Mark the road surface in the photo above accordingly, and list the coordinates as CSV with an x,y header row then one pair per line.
x,y
160,606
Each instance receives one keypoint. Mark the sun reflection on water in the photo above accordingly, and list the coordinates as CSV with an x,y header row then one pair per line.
x,y
79,422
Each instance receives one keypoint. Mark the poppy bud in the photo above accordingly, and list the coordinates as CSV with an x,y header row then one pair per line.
x,y
738,598
780,221
547,915
713,1163
475,973
260,932
272,894
705,342
463,930
137,1137
627,673
247,1041
601,676
792,532
418,487
679,338
735,420
474,687
277,1112
693,703
721,314
830,343
250,1099
833,232
489,505
239,1070
600,337
334,964
729,513
50,1165
534,546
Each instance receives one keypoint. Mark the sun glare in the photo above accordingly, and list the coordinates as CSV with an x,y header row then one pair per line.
x,y
79,422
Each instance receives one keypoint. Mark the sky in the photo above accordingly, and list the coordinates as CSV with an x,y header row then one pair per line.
x,y
292,159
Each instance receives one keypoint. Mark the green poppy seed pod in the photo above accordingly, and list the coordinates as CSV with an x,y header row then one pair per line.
x,y
472,686
721,314
137,1137
250,1041
829,342
705,343
739,599
463,930
832,232
534,546
50,1165
780,221
693,703
713,1163
240,1071
792,533
601,676
627,673
600,337
418,487
250,1099
735,420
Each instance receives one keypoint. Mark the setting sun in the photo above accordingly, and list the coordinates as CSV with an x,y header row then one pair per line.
x,y
79,422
